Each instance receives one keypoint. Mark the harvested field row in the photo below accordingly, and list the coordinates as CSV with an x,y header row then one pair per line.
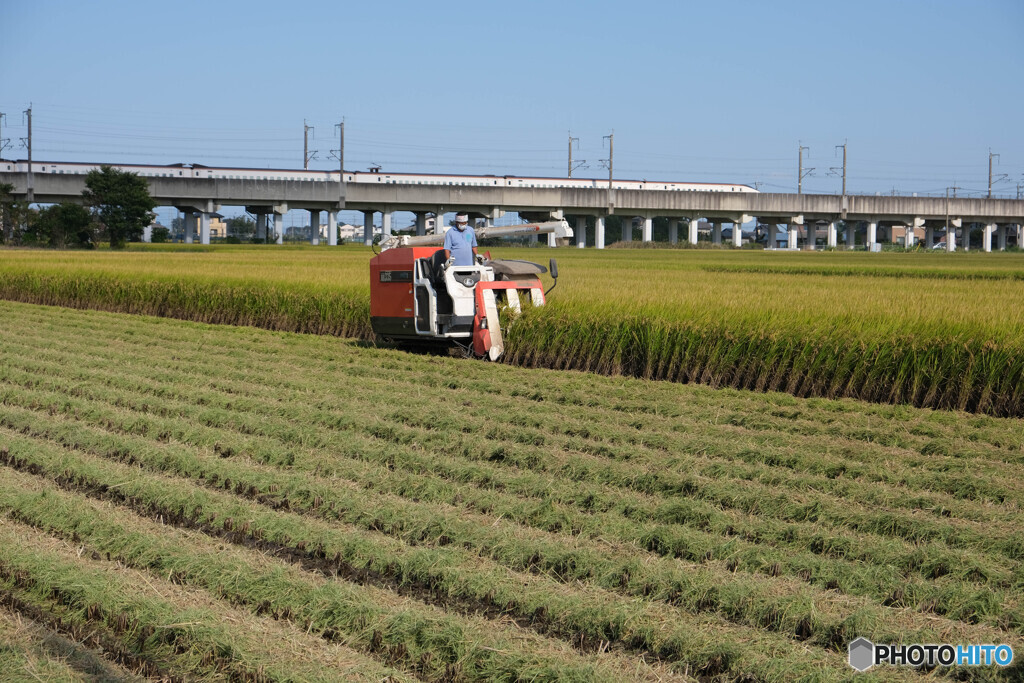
x,y
745,544
401,631
697,514
592,619
729,326
315,450
162,629
31,652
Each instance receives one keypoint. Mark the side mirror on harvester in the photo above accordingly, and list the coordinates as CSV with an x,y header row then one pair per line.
x,y
553,269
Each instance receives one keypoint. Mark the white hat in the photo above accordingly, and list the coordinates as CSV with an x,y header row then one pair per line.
x,y
461,218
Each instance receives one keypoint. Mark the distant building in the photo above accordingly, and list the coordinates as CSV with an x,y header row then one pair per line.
x,y
898,235
218,228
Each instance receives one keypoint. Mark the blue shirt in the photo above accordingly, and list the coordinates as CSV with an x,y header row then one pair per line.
x,y
460,245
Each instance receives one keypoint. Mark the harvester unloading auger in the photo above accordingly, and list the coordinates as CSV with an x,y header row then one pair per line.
x,y
416,297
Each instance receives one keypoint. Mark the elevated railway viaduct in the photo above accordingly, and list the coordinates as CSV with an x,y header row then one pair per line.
x,y
805,216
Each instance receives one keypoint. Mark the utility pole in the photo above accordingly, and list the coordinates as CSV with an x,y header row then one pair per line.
x,y
844,166
990,155
611,157
579,163
800,175
339,153
31,192
4,142
998,178
610,163
307,156
947,215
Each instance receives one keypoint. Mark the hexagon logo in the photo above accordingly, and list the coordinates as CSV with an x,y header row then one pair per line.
x,y
862,654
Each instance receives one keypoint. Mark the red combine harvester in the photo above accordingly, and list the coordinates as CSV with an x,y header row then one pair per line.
x,y
415,297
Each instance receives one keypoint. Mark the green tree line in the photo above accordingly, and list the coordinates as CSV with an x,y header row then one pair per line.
x,y
116,207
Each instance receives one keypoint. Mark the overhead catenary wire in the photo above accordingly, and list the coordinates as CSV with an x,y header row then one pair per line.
x,y
92,134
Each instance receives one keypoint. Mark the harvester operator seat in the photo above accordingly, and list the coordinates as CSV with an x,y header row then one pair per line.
x,y
435,269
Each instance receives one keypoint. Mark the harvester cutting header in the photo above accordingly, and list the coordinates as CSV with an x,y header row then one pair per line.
x,y
417,294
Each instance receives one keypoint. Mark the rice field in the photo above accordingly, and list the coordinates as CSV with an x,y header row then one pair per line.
x,y
925,329
210,501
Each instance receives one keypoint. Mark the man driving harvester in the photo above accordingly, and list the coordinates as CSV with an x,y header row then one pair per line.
x,y
460,243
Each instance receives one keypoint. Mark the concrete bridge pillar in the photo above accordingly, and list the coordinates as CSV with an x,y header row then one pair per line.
x,y
737,235
950,239
190,227
929,237
791,241
673,231
261,226
421,223
439,224
599,232
716,232
986,242
911,238
851,234
581,231
368,228
648,229
279,227
832,235
204,228
627,228
872,233
692,230
1001,235
332,228
385,222
314,226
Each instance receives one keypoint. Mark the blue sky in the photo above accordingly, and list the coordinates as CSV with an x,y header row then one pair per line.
x,y
920,90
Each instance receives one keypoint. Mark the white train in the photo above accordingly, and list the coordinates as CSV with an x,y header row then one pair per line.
x,y
375,176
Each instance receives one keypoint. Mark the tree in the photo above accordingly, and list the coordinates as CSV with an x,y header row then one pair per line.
x,y
64,225
13,214
160,235
241,227
121,203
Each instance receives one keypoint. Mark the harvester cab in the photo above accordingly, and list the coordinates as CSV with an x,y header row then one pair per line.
x,y
416,298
